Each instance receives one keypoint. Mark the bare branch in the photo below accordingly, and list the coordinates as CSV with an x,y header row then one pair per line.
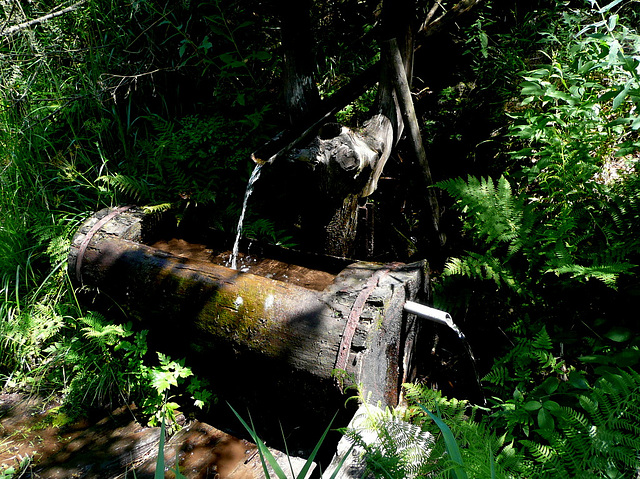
x,y
431,26
44,18
401,84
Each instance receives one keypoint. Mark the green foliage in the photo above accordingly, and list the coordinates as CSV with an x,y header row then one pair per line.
x,y
266,456
110,366
356,113
564,426
17,470
393,447
565,208
460,428
83,109
451,445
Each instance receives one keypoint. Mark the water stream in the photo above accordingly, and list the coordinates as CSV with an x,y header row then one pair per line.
x,y
445,318
236,245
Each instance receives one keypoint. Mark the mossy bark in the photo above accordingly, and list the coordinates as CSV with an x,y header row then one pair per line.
x,y
258,328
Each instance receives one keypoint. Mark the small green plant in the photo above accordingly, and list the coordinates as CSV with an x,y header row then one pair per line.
x,y
392,447
16,471
465,445
267,457
111,366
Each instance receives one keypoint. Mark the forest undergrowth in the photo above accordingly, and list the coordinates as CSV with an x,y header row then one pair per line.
x,y
161,103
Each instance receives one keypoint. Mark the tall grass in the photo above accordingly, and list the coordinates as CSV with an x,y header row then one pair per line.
x,y
53,138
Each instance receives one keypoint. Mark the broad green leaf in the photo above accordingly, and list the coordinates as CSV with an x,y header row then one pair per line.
x,y
627,358
532,405
620,97
577,380
545,420
550,385
530,88
551,406
618,334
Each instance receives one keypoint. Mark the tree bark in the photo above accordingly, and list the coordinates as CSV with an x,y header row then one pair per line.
x,y
300,92
280,335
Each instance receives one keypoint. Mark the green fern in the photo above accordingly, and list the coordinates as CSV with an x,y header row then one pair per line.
x,y
608,273
400,450
597,438
494,213
132,187
484,267
483,452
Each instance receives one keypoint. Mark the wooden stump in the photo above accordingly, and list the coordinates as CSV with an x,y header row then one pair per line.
x,y
253,334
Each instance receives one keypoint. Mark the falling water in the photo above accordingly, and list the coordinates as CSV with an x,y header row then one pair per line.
x,y
252,179
442,317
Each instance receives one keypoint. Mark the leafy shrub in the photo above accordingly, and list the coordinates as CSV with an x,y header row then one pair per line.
x,y
109,365
566,424
565,207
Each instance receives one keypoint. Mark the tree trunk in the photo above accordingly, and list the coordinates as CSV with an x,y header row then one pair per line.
x,y
347,163
253,333
300,92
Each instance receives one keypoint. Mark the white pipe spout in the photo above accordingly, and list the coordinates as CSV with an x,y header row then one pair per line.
x,y
432,314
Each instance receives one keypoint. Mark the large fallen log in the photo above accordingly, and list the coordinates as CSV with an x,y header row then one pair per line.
x,y
253,334
116,446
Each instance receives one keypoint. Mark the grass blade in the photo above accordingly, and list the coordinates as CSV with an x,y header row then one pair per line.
x,y
450,442
159,474
263,450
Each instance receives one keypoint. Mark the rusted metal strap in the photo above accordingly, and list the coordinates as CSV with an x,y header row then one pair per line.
x,y
356,311
94,229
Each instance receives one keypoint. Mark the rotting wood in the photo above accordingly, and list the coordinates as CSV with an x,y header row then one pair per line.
x,y
268,330
116,446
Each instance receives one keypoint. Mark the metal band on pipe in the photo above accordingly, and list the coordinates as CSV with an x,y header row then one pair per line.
x,y
94,229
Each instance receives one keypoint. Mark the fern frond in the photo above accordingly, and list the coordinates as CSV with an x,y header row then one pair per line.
x,y
608,274
483,267
158,208
491,208
497,375
134,188
542,339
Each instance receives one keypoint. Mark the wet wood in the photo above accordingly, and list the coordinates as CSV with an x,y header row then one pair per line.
x,y
300,275
280,337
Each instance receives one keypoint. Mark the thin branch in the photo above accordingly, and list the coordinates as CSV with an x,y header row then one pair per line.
x,y
9,16
44,18
431,13
429,26
391,55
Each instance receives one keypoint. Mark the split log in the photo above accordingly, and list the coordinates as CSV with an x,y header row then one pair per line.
x,y
116,446
254,334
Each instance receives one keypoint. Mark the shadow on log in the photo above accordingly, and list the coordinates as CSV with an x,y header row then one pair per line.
x,y
273,345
